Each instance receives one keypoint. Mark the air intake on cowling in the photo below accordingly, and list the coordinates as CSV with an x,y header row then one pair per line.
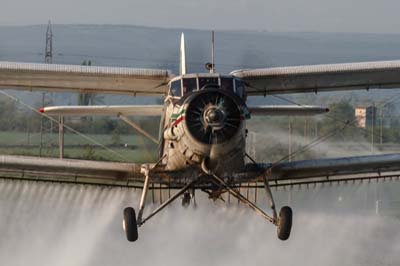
x,y
213,117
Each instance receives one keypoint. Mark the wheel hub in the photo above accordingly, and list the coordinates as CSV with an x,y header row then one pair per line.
x,y
213,117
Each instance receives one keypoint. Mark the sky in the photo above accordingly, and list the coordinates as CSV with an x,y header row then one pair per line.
x,y
366,16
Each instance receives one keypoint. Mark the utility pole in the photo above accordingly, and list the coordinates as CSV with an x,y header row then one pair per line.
x,y
305,129
381,126
41,128
252,148
373,127
48,59
61,137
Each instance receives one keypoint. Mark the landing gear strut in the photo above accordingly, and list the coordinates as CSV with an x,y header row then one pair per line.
x,y
130,223
283,222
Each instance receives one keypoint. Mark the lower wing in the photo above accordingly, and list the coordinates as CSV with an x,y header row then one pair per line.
x,y
69,170
386,166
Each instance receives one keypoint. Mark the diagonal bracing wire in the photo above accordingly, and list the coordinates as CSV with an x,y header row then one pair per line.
x,y
66,126
350,123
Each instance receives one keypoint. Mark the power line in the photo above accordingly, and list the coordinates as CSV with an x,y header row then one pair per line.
x,y
17,100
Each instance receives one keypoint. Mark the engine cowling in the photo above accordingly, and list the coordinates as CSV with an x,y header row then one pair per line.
x,y
208,126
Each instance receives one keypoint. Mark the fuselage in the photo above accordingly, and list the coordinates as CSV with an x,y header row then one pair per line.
x,y
204,123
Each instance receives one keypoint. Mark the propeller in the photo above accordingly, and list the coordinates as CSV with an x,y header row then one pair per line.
x,y
213,117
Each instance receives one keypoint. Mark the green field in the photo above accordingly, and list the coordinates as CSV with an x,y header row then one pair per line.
x,y
137,149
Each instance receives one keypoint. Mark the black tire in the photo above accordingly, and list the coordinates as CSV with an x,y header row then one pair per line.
x,y
284,223
130,224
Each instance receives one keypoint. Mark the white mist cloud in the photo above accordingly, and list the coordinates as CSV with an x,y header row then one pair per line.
x,y
54,224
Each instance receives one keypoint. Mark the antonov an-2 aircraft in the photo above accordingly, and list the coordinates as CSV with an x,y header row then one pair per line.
x,y
202,131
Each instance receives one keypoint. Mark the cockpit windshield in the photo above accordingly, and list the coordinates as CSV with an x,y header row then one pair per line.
x,y
239,84
182,86
227,84
203,81
189,85
176,88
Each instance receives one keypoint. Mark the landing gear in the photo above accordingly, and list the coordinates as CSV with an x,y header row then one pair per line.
x,y
186,199
130,224
284,223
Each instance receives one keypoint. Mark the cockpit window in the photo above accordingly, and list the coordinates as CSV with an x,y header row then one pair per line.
x,y
207,81
227,84
239,84
189,84
176,88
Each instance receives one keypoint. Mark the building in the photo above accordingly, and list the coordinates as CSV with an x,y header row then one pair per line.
x,y
365,116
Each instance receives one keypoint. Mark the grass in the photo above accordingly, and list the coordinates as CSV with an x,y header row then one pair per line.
x,y
138,149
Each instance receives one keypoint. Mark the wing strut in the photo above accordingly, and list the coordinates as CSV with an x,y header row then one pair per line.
x,y
138,128
283,222
170,200
243,199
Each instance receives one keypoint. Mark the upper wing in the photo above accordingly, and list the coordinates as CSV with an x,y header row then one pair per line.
x,y
315,78
82,110
84,79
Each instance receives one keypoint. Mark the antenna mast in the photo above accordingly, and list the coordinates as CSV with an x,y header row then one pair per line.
x,y
212,69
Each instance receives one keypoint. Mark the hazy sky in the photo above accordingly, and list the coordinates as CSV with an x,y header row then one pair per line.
x,y
278,15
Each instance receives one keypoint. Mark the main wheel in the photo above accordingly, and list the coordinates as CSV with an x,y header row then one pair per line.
x,y
130,224
284,223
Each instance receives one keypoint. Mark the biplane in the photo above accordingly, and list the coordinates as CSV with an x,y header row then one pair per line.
x,y
202,140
